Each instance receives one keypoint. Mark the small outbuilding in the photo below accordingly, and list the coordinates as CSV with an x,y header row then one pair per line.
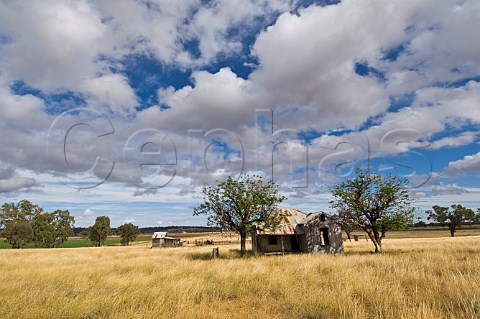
x,y
161,240
300,232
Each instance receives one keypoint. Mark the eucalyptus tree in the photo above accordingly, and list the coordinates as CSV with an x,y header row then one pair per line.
x,y
240,205
374,203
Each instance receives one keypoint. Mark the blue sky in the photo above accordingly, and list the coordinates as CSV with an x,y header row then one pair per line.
x,y
127,109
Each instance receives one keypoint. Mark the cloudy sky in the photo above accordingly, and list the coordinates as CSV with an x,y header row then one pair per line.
x,y
127,108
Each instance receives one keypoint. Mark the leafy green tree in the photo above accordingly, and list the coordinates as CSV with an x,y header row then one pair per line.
x,y
239,205
52,229
29,220
453,217
15,220
99,231
43,230
21,211
18,233
29,210
374,203
63,229
128,233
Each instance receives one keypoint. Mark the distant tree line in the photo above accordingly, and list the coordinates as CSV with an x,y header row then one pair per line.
x,y
24,222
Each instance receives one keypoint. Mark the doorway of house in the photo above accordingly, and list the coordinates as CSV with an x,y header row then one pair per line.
x,y
294,242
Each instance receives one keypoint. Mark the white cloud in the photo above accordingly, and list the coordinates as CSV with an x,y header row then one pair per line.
x,y
55,44
465,138
205,105
128,220
88,212
211,25
470,163
302,64
150,28
113,92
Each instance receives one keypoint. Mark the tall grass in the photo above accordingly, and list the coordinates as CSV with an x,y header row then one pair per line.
x,y
414,278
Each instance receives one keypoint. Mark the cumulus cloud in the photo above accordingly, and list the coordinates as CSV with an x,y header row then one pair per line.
x,y
470,163
465,138
212,26
88,212
56,44
112,92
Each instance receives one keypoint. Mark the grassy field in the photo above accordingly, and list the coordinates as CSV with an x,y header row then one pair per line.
x,y
414,278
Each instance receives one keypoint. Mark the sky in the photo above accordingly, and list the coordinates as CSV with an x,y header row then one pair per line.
x,y
129,108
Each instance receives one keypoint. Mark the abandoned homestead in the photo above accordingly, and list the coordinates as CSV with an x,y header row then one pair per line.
x,y
160,240
300,232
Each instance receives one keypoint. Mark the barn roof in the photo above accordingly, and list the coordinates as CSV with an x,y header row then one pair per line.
x,y
289,225
159,234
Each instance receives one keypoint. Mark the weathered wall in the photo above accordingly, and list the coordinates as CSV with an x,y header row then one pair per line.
x,y
314,237
164,242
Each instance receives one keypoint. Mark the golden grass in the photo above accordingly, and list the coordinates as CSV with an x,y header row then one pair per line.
x,y
414,278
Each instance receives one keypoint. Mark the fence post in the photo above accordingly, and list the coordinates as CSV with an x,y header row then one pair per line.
x,y
215,253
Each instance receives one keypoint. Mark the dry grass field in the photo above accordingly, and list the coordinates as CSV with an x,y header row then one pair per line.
x,y
415,278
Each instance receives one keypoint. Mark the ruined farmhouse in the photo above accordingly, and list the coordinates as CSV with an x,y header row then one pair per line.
x,y
300,232
161,240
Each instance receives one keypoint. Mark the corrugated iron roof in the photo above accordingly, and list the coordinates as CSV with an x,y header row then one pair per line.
x,y
159,234
289,225
312,216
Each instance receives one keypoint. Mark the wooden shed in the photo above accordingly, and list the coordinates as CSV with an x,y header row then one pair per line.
x,y
300,232
161,240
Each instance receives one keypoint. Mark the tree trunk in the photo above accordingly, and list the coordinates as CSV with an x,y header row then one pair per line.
x,y
243,241
375,238
378,247
378,241
452,231
348,235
